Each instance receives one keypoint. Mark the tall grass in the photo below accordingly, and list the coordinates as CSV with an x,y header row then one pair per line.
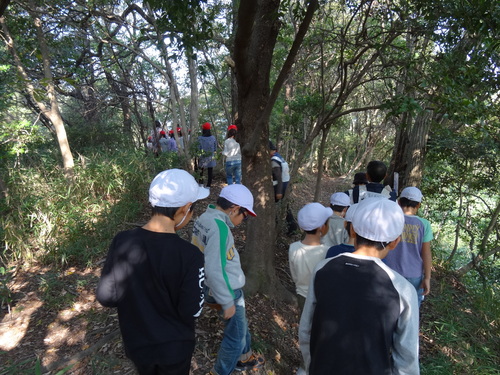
x,y
46,219
460,326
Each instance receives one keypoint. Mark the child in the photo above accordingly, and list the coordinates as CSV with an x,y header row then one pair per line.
x,y
280,172
304,255
412,258
172,145
376,171
225,278
208,145
163,141
360,316
232,152
347,247
155,279
339,202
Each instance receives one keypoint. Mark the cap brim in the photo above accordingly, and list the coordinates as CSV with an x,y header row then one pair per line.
x,y
250,212
202,193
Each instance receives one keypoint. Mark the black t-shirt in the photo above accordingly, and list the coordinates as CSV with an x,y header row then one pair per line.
x,y
357,317
156,282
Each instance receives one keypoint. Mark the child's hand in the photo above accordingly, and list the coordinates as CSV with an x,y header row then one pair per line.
x,y
426,285
229,312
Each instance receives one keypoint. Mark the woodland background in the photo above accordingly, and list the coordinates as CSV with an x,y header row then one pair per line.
x,y
334,84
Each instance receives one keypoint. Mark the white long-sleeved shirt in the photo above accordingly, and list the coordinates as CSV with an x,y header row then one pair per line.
x,y
232,150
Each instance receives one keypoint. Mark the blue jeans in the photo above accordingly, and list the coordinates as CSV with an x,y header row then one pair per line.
x,y
236,340
417,283
233,168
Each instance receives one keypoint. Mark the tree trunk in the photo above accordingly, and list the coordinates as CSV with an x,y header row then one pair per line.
x,y
476,261
193,105
257,29
457,227
321,156
52,113
410,149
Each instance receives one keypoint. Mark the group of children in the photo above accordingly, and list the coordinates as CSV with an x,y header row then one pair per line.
x,y
361,272
207,145
160,282
359,313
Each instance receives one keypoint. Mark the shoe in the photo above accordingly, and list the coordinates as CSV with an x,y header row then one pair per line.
x,y
252,363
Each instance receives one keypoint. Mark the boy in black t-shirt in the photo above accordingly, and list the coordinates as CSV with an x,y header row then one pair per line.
x,y
155,279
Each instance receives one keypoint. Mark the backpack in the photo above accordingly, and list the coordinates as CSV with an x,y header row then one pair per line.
x,y
364,193
285,169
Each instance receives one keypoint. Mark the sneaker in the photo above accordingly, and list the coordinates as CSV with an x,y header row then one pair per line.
x,y
252,363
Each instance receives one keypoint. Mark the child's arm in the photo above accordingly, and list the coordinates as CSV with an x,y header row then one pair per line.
x,y
111,283
427,260
191,297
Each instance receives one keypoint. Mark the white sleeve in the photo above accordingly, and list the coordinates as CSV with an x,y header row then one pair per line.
x,y
405,337
306,324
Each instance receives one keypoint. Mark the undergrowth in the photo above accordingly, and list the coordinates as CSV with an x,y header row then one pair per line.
x,y
460,328
47,219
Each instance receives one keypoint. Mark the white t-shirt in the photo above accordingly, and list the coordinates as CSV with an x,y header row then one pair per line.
x,y
231,150
303,259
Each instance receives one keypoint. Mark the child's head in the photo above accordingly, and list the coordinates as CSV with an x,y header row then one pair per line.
x,y
376,171
205,129
238,197
348,217
173,189
410,197
377,222
339,202
232,130
313,217
272,148
360,179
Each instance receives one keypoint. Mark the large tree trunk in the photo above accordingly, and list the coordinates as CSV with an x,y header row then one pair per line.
x,y
410,148
257,29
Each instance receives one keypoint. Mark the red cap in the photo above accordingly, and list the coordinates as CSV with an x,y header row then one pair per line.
x,y
162,132
232,127
171,131
206,126
150,138
178,129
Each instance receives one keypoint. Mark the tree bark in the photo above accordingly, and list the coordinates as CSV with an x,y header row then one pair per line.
x,y
321,156
52,112
257,29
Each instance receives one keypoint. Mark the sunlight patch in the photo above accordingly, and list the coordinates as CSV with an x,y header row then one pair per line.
x,y
12,331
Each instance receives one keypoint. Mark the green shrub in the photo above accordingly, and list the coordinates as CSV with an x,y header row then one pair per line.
x,y
47,219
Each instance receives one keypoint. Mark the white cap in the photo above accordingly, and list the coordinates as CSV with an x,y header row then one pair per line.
x,y
239,195
380,220
350,212
340,199
175,188
412,193
313,215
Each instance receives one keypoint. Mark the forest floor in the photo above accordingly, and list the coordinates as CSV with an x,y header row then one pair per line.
x,y
56,326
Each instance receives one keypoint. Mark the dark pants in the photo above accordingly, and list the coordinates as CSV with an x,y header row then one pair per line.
x,y
181,368
210,172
